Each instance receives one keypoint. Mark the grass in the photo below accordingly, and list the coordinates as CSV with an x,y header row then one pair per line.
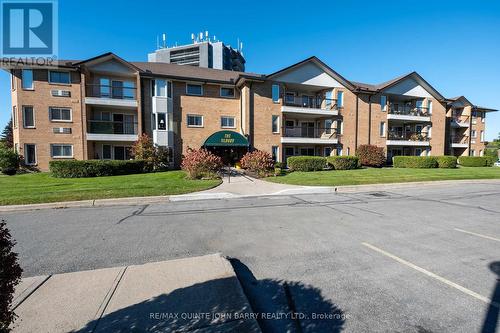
x,y
42,187
383,175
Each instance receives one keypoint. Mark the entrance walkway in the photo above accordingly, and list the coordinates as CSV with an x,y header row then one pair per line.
x,y
236,184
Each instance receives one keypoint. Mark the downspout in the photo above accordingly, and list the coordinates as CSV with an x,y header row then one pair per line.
x,y
356,127
369,118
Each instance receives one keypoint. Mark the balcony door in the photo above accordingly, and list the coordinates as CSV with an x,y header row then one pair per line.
x,y
118,127
307,129
117,89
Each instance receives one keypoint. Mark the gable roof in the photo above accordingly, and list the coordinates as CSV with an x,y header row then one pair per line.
x,y
319,63
107,56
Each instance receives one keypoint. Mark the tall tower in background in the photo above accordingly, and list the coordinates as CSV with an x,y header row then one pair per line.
x,y
202,52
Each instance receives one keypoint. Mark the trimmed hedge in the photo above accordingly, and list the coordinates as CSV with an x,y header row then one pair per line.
x,y
306,163
9,160
476,161
370,155
415,162
343,162
447,162
96,168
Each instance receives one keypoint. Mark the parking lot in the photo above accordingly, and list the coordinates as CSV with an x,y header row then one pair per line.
x,y
409,259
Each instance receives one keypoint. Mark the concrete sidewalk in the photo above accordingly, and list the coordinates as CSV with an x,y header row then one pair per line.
x,y
199,294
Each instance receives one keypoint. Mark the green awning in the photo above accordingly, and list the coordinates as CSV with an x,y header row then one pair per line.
x,y
226,139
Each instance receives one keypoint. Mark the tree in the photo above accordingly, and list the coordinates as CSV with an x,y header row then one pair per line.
x,y
8,135
10,273
157,158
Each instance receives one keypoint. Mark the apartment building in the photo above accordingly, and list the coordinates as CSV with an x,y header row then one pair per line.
x,y
96,108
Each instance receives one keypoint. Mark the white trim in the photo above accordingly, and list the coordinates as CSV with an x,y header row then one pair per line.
x,y
24,153
52,145
194,115
60,120
24,118
194,84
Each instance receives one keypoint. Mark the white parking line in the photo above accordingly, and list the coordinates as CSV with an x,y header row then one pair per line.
x,y
478,235
435,276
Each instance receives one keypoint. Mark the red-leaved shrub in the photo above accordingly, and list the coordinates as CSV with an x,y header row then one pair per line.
x,y
201,164
257,161
370,155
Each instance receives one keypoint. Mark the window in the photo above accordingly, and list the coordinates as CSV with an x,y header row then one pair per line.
x,y
383,103
418,151
128,90
60,114
382,129
30,154
348,151
161,119
429,106
28,117
483,117
306,151
14,116
104,87
226,92
161,88
106,152
194,120
474,134
275,153
276,93
27,78
328,126
59,77
61,151
276,124
194,89
289,151
482,136
481,153
472,152
340,99
340,127
339,151
327,151
328,99
12,80
16,147
227,122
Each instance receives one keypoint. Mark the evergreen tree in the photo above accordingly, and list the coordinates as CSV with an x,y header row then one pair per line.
x,y
7,136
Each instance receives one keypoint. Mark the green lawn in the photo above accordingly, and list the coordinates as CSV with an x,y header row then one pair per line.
x,y
41,187
384,175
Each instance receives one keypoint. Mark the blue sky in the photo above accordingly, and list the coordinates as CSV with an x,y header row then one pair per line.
x,y
454,45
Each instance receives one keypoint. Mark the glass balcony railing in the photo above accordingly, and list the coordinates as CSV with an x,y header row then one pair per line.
x,y
310,102
407,136
309,132
110,91
111,127
409,110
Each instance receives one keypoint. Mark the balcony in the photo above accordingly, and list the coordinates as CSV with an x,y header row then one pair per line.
x,y
404,138
100,130
459,141
310,105
109,95
311,135
405,112
460,122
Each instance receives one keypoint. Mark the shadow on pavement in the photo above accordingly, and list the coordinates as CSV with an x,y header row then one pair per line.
x,y
491,319
296,307
204,306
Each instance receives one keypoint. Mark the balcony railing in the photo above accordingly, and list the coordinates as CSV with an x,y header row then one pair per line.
x,y
461,120
311,102
407,136
111,127
409,110
309,132
110,91
460,139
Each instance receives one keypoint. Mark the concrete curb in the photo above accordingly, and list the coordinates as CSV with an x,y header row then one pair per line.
x,y
226,195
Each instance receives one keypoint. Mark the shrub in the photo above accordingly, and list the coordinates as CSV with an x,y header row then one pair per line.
x,y
415,162
157,158
10,273
257,161
343,162
96,168
306,163
447,162
9,160
370,155
475,161
201,163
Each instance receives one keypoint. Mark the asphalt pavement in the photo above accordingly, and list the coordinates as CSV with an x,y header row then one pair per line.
x,y
412,259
